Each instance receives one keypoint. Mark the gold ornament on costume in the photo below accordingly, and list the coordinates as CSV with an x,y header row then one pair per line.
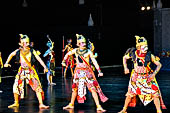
x,y
80,38
140,41
81,52
24,37
38,52
157,58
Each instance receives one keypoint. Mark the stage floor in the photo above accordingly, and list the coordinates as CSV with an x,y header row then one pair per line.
x,y
114,85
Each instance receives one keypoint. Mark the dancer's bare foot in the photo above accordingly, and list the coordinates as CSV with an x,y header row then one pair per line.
x,y
15,109
122,111
42,106
163,106
99,108
69,110
53,84
13,105
159,111
70,106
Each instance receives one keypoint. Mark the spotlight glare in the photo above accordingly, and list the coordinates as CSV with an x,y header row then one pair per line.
x,y
148,7
142,8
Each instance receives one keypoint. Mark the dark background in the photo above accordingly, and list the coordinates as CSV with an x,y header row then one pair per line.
x,y
115,25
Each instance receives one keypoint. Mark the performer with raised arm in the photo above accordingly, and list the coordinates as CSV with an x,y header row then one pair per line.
x,y
84,75
142,81
70,59
1,66
50,61
26,57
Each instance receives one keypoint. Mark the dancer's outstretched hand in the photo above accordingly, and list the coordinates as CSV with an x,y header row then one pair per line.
x,y
152,77
7,65
126,71
63,64
100,74
45,70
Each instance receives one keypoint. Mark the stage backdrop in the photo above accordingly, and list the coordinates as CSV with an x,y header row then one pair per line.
x,y
161,30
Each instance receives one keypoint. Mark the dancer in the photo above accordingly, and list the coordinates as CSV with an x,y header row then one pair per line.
x,y
26,57
84,75
142,81
1,66
50,61
70,59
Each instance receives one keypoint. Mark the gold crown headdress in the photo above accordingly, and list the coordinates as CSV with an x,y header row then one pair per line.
x,y
80,38
24,37
140,41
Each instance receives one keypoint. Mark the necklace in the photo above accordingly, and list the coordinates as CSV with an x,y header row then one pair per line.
x,y
26,51
81,52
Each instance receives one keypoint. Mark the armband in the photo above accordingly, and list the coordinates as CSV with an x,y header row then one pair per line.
x,y
99,71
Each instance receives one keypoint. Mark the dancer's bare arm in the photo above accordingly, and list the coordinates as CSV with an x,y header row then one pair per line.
x,y
67,55
95,64
9,58
125,58
40,61
155,60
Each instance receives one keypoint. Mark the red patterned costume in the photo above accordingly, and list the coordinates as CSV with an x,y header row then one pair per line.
x,y
142,80
84,75
26,57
